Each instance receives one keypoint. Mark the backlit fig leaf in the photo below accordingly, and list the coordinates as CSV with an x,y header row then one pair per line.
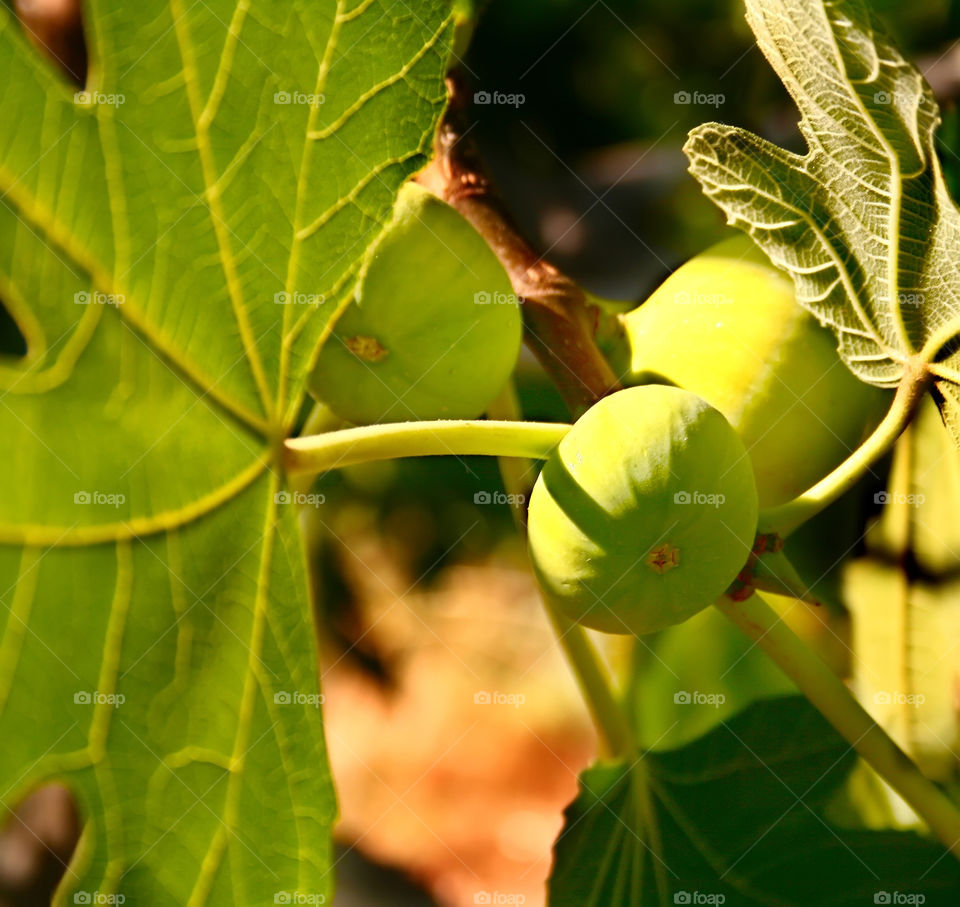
x,y
174,243
904,598
862,221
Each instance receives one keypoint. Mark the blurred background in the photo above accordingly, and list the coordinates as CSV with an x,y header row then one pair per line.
x,y
455,730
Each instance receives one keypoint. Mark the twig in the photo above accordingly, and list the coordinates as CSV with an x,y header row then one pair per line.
x,y
558,324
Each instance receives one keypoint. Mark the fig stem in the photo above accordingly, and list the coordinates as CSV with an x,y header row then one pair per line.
x,y
319,453
608,716
320,420
840,707
787,517
615,733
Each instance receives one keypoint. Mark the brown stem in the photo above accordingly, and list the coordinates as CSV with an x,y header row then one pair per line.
x,y
559,326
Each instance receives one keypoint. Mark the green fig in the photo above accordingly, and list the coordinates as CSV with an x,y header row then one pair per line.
x,y
726,325
644,514
434,330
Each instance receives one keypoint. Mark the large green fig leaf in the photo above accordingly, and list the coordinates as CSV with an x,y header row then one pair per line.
x,y
174,244
738,818
862,221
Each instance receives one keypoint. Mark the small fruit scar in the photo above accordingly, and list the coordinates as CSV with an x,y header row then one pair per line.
x,y
367,348
663,558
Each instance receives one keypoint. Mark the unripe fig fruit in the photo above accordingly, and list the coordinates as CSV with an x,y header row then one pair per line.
x,y
645,512
434,330
726,325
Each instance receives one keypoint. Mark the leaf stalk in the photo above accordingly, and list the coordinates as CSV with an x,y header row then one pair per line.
x,y
319,453
787,517
840,707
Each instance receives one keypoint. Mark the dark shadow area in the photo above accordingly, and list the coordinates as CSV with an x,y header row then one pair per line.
x,y
12,341
36,844
55,27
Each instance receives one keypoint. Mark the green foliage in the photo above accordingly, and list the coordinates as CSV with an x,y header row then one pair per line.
x,y
696,675
645,512
209,200
213,224
435,330
904,596
737,815
863,221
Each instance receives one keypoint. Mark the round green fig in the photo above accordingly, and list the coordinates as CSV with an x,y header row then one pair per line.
x,y
726,325
644,514
434,330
